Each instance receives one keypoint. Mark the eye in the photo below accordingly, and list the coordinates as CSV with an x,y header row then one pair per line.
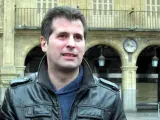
x,y
62,36
78,37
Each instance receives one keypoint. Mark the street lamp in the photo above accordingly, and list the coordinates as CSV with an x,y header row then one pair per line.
x,y
101,59
155,59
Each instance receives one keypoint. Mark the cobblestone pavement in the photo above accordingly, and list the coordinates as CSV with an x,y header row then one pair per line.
x,y
147,115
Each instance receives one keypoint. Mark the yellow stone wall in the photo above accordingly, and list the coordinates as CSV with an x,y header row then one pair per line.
x,y
83,4
146,92
1,14
24,42
1,48
25,3
134,20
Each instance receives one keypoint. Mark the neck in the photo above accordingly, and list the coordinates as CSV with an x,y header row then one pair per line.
x,y
61,78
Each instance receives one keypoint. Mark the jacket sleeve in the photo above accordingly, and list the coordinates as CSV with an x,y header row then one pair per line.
x,y
119,113
7,109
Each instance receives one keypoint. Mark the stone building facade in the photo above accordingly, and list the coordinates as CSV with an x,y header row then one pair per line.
x,y
110,24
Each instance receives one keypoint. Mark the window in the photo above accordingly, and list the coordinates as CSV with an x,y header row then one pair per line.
x,y
153,7
102,7
43,5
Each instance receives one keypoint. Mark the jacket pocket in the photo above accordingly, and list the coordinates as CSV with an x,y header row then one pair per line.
x,y
90,113
40,111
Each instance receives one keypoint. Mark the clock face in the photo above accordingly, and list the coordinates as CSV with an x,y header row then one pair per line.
x,y
130,45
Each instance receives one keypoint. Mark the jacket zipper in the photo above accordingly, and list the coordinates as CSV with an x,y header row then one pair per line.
x,y
59,108
57,104
75,100
77,97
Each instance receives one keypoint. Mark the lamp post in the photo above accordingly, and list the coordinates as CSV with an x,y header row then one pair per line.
x,y
101,59
155,61
155,64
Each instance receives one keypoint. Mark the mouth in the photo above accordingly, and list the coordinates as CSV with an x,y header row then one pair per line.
x,y
69,54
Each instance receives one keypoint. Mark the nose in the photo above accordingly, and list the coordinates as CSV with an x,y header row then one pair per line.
x,y
71,42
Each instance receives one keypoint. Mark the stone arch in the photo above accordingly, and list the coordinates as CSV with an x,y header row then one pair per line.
x,y
116,47
27,50
33,59
113,62
151,43
148,75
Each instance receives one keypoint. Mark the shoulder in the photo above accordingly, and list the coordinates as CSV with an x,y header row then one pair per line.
x,y
106,84
24,80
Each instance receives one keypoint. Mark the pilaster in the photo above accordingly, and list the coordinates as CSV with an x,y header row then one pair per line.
x,y
8,70
129,87
20,70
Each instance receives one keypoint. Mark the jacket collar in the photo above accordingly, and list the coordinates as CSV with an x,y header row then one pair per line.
x,y
43,77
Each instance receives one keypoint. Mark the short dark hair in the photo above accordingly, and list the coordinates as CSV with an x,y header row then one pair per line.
x,y
57,12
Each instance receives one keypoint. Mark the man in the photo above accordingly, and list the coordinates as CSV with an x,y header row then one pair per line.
x,y
64,87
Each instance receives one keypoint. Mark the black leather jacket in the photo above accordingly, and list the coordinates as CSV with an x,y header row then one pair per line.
x,y
32,98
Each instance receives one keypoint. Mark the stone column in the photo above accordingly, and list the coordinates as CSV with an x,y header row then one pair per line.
x,y
8,70
129,87
20,70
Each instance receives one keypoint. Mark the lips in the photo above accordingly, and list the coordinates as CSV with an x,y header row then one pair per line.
x,y
69,54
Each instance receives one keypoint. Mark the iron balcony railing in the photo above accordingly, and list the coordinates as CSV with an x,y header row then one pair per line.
x,y
30,18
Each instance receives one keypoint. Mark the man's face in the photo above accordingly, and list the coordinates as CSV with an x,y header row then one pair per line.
x,y
66,45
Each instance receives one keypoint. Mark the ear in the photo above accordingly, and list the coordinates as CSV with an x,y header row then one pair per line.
x,y
43,42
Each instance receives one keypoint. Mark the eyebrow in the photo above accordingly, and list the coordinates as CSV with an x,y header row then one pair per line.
x,y
79,34
62,33
68,33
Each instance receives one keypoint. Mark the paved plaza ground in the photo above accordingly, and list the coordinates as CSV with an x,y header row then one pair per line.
x,y
143,115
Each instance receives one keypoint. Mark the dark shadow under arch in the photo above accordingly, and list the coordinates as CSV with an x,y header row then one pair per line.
x,y
112,62
147,77
33,59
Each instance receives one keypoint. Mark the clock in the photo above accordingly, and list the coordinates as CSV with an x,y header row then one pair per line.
x,y
130,45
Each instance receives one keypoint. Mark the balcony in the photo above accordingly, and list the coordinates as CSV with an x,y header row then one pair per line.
x,y
30,18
